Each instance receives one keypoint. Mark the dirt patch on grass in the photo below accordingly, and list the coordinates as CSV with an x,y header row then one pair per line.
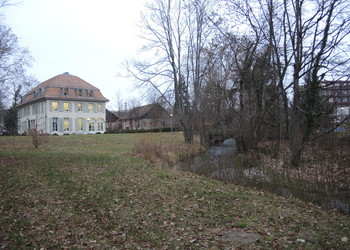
x,y
6,161
241,237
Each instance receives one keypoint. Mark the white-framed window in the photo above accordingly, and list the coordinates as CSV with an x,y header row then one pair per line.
x,y
80,124
91,124
66,125
66,106
54,106
90,93
100,125
99,108
91,107
342,111
35,109
32,124
80,107
55,124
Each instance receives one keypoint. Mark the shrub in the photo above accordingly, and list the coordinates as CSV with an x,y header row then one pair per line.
x,y
38,138
166,153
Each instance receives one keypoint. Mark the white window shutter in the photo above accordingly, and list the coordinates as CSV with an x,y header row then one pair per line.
x,y
84,125
51,124
85,107
70,125
76,124
60,124
60,106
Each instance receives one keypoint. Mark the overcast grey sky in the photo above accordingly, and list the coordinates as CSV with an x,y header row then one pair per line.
x,y
86,38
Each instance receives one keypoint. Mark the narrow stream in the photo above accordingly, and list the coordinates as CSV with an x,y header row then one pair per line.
x,y
218,162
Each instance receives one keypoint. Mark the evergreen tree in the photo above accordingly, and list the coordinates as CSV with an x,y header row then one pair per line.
x,y
11,116
11,120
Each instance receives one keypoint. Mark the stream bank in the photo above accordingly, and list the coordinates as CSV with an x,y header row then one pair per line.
x,y
220,162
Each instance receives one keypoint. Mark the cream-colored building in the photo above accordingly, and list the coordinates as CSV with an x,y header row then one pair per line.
x,y
64,104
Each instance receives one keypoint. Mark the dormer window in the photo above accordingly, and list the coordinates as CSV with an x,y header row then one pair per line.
x,y
37,93
65,92
90,93
79,92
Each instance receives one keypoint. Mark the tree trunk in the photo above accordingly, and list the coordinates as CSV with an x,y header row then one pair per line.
x,y
296,137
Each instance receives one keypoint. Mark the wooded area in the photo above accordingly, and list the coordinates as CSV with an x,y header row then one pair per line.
x,y
247,68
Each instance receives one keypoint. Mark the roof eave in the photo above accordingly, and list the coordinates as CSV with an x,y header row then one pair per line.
x,y
44,98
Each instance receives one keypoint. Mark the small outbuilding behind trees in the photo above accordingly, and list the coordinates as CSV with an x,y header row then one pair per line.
x,y
145,117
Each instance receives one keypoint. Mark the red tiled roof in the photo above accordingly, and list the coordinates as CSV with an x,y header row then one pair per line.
x,y
52,89
154,110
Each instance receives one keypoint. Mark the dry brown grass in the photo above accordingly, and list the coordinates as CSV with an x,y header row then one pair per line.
x,y
323,161
165,152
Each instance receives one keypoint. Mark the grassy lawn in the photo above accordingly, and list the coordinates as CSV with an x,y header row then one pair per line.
x,y
93,192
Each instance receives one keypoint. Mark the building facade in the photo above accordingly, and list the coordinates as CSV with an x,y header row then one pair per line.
x,y
64,104
337,93
151,116
112,122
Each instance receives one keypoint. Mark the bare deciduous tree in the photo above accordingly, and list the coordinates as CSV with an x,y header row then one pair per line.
x,y
176,32
13,63
316,31
306,41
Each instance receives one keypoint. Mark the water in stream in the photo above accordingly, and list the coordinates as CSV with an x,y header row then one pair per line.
x,y
218,162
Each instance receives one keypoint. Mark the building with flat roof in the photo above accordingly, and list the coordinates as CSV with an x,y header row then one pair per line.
x,y
337,93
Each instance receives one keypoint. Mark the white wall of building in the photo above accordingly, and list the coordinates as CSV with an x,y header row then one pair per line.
x,y
66,119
